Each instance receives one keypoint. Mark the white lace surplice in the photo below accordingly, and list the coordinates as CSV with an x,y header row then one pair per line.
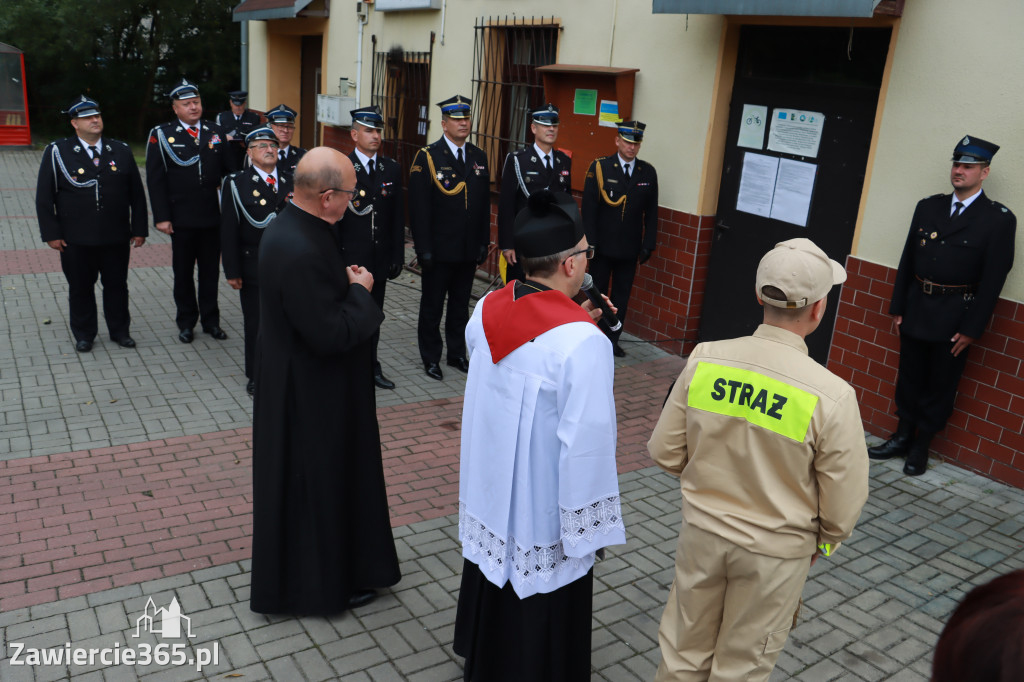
x,y
538,488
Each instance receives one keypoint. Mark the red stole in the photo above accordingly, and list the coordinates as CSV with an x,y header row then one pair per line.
x,y
509,323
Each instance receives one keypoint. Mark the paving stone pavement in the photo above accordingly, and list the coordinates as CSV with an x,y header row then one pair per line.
x,y
124,477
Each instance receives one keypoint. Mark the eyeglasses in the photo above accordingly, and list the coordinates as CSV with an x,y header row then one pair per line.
x,y
338,189
589,251
286,126
264,145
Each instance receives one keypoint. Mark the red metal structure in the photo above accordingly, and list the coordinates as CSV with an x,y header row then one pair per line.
x,y
14,128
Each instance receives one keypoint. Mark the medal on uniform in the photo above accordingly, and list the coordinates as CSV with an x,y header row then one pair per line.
x,y
923,242
355,204
362,192
255,192
933,235
383,192
263,202
171,140
81,170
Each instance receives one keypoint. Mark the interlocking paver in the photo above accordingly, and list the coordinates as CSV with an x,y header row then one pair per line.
x,y
125,475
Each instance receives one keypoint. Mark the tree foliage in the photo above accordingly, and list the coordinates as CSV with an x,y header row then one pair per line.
x,y
126,54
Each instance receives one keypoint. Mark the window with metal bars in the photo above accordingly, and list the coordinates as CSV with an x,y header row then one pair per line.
x,y
506,54
400,86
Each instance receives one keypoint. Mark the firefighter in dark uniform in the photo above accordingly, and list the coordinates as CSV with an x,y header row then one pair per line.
x,y
251,199
450,216
91,207
281,120
373,227
620,216
239,121
186,160
956,258
540,166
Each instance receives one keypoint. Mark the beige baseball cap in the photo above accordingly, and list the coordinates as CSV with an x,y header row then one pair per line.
x,y
801,270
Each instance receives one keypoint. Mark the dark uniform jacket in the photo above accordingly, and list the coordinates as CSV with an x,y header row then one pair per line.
x,y
249,122
183,174
531,176
375,239
89,205
450,212
620,216
975,248
247,204
238,129
290,160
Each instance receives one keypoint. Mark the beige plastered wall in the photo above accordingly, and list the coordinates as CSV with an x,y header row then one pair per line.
x,y
956,70
673,87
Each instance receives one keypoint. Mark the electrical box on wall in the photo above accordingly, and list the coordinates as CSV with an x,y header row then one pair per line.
x,y
591,101
334,109
402,5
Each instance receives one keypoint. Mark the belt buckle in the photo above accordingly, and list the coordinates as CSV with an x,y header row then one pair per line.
x,y
926,286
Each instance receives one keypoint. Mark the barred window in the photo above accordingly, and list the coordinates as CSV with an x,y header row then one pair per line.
x,y
400,86
506,54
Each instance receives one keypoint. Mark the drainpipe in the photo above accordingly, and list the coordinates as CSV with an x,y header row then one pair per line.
x,y
244,85
363,12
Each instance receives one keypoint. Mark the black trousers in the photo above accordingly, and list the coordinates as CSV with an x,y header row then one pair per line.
x,y
82,264
380,282
621,272
191,247
249,296
927,381
454,281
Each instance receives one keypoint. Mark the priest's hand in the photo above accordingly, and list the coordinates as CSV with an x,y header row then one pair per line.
x,y
165,227
359,275
594,311
960,343
57,244
235,282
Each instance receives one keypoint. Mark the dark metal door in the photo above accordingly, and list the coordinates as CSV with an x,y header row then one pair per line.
x,y
831,71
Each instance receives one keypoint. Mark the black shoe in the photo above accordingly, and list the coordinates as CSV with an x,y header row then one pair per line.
x,y
433,370
186,336
83,346
382,382
461,364
361,598
898,444
250,387
216,332
125,342
617,351
917,458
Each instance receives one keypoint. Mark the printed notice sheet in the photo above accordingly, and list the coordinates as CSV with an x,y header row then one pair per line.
x,y
793,188
796,132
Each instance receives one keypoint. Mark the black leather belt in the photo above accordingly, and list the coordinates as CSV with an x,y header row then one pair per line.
x,y
929,287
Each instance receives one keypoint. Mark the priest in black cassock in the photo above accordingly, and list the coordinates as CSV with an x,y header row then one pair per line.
x,y
321,530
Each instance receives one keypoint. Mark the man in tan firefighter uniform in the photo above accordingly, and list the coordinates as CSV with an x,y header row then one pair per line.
x,y
770,452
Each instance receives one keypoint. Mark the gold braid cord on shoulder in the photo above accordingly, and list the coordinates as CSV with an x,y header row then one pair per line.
x,y
621,201
433,173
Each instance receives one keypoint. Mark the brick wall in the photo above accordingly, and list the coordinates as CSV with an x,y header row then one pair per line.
x,y
984,433
339,139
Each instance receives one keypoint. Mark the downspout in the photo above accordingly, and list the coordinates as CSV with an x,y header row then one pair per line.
x,y
364,18
245,56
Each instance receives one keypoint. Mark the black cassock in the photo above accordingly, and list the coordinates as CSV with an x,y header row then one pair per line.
x,y
321,527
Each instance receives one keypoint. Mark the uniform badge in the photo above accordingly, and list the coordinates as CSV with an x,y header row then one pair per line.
x,y
81,171
440,175
263,202
933,235
383,192
255,192
966,141
355,204
923,242
362,192
171,140
77,148
533,159
255,178
527,179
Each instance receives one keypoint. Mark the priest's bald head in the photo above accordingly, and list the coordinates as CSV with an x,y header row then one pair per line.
x,y
550,243
325,181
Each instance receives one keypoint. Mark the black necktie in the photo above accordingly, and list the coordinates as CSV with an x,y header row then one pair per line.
x,y
462,163
625,169
547,162
95,155
280,154
957,207
370,166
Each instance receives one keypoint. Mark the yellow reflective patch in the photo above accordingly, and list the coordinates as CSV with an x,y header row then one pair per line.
x,y
761,400
825,549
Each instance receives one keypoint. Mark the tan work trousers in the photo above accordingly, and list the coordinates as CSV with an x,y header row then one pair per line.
x,y
729,611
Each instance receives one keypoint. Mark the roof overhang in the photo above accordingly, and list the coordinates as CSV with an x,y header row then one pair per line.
x,y
795,8
261,10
